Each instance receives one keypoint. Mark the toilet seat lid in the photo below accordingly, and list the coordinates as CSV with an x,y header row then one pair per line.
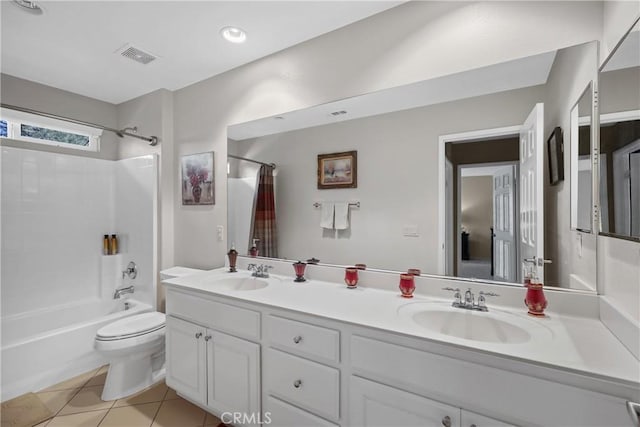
x,y
133,326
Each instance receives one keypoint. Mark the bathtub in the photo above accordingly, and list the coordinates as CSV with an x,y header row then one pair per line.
x,y
44,347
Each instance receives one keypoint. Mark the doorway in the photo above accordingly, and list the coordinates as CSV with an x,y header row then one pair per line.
x,y
482,202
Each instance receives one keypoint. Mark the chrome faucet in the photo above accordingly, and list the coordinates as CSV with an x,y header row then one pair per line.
x,y
469,299
261,270
119,292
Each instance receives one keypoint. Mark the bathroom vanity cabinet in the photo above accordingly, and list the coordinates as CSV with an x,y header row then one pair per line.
x,y
215,370
319,371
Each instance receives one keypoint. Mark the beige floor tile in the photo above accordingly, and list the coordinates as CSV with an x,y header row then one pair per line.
x,y
87,399
97,379
171,394
152,394
75,382
131,416
212,420
56,400
42,424
84,419
179,413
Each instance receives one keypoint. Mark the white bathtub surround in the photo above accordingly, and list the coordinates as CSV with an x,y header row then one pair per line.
x,y
44,347
571,365
56,209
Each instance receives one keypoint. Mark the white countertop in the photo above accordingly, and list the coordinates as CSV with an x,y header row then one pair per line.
x,y
575,344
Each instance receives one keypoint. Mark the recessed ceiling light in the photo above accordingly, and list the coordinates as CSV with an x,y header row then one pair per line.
x,y
30,6
234,34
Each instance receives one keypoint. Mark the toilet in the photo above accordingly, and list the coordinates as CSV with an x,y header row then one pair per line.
x,y
134,347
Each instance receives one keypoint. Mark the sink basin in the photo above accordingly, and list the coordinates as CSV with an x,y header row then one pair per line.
x,y
240,283
495,326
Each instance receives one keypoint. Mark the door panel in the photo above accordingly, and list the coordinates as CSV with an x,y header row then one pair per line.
x,y
504,233
531,191
185,358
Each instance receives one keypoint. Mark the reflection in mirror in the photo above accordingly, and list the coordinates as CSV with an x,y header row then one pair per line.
x,y
581,162
439,166
620,140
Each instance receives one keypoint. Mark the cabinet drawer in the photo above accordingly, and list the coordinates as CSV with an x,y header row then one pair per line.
x,y
284,415
224,317
303,338
302,382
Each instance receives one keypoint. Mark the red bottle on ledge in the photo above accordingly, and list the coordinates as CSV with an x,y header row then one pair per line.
x,y
535,299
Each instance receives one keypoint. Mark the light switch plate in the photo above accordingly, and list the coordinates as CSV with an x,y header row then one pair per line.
x,y
220,233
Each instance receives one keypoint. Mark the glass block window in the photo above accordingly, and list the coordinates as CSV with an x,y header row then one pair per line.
x,y
54,135
3,128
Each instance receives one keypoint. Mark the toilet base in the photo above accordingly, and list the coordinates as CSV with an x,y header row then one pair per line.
x,y
131,375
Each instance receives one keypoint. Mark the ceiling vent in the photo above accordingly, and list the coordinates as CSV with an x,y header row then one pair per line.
x,y
136,54
338,113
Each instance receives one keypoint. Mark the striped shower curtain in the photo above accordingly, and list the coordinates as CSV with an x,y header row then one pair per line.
x,y
264,217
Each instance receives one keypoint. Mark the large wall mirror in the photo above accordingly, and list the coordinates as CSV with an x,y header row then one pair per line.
x,y
451,175
620,140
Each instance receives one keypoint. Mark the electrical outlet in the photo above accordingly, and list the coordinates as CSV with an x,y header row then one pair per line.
x,y
410,230
220,233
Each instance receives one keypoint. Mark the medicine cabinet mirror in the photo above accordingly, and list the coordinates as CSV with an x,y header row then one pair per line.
x,y
582,161
619,84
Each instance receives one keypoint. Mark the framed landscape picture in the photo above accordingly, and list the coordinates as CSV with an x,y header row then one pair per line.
x,y
198,183
338,170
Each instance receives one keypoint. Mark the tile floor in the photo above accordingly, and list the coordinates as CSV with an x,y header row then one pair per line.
x,y
76,402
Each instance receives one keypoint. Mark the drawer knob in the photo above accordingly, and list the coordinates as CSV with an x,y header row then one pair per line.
x,y
446,421
473,425
297,339
198,335
297,383
207,338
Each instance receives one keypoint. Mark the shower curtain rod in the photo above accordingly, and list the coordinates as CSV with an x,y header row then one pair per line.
x,y
273,165
152,140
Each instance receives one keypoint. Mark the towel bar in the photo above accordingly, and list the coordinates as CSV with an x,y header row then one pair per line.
x,y
319,204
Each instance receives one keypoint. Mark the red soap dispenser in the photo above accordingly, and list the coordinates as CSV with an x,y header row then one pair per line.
x,y
535,299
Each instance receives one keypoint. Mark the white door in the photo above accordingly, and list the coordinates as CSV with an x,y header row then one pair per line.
x,y
504,233
185,359
233,376
373,404
532,191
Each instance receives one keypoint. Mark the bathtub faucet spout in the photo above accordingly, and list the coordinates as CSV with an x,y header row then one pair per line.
x,y
122,291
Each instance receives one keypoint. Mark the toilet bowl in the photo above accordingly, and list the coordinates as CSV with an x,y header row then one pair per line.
x,y
134,347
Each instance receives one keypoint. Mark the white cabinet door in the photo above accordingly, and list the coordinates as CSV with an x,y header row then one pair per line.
x,y
471,419
185,358
373,404
233,376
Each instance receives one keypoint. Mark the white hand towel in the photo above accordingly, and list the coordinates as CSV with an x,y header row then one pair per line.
x,y
342,215
326,217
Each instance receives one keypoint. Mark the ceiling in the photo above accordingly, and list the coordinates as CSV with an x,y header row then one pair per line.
x,y
74,45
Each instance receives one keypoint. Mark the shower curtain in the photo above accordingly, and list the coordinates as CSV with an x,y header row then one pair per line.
x,y
264,218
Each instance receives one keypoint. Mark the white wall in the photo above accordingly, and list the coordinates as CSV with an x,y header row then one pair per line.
x,y
617,18
39,97
411,42
619,274
397,179
55,210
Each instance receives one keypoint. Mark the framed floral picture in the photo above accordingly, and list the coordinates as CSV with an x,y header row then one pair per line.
x,y
198,183
338,170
